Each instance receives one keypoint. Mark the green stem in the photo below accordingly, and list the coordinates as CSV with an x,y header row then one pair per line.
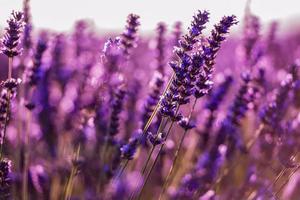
x,y
69,184
154,163
153,114
174,162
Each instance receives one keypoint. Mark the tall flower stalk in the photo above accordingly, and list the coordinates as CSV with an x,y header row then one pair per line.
x,y
10,48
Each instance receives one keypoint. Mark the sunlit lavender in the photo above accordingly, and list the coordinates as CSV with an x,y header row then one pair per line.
x,y
202,112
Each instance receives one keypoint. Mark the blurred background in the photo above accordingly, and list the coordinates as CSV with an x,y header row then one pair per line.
x,y
60,15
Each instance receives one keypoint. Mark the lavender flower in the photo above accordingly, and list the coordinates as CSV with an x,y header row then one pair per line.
x,y
33,73
251,34
129,36
153,98
117,107
177,33
128,150
27,40
11,38
8,91
212,105
272,113
5,181
181,67
160,47
203,82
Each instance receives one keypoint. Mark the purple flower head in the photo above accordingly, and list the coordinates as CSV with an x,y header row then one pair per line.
x,y
272,113
33,73
112,54
156,139
26,40
218,95
185,123
251,33
5,181
218,35
12,36
117,107
129,36
182,85
160,47
153,98
128,150
177,33
196,28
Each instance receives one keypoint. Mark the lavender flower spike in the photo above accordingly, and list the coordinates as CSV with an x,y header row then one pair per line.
x,y
116,110
5,182
129,36
160,47
34,72
218,34
12,36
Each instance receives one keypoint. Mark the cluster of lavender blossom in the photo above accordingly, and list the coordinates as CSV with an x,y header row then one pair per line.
x,y
179,115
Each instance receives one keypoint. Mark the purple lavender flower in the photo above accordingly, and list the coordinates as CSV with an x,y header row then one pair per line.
x,y
128,150
33,73
203,83
5,181
12,36
181,67
27,40
212,105
153,98
177,31
117,107
160,47
272,113
9,88
251,34
129,36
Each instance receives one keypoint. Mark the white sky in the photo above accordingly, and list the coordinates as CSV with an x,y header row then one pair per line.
x,y
111,14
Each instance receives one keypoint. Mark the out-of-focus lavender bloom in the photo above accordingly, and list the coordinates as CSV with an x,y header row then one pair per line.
x,y
160,47
177,31
46,114
39,179
33,73
128,150
5,181
129,36
294,70
251,33
12,36
9,88
272,113
212,105
153,98
117,107
79,37
26,39
112,55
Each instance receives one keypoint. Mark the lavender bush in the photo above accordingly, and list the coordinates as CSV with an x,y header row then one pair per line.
x,y
177,114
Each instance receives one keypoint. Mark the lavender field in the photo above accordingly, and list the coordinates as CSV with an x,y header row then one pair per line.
x,y
197,113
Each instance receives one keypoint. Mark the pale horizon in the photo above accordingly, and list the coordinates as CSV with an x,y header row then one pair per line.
x,y
60,15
